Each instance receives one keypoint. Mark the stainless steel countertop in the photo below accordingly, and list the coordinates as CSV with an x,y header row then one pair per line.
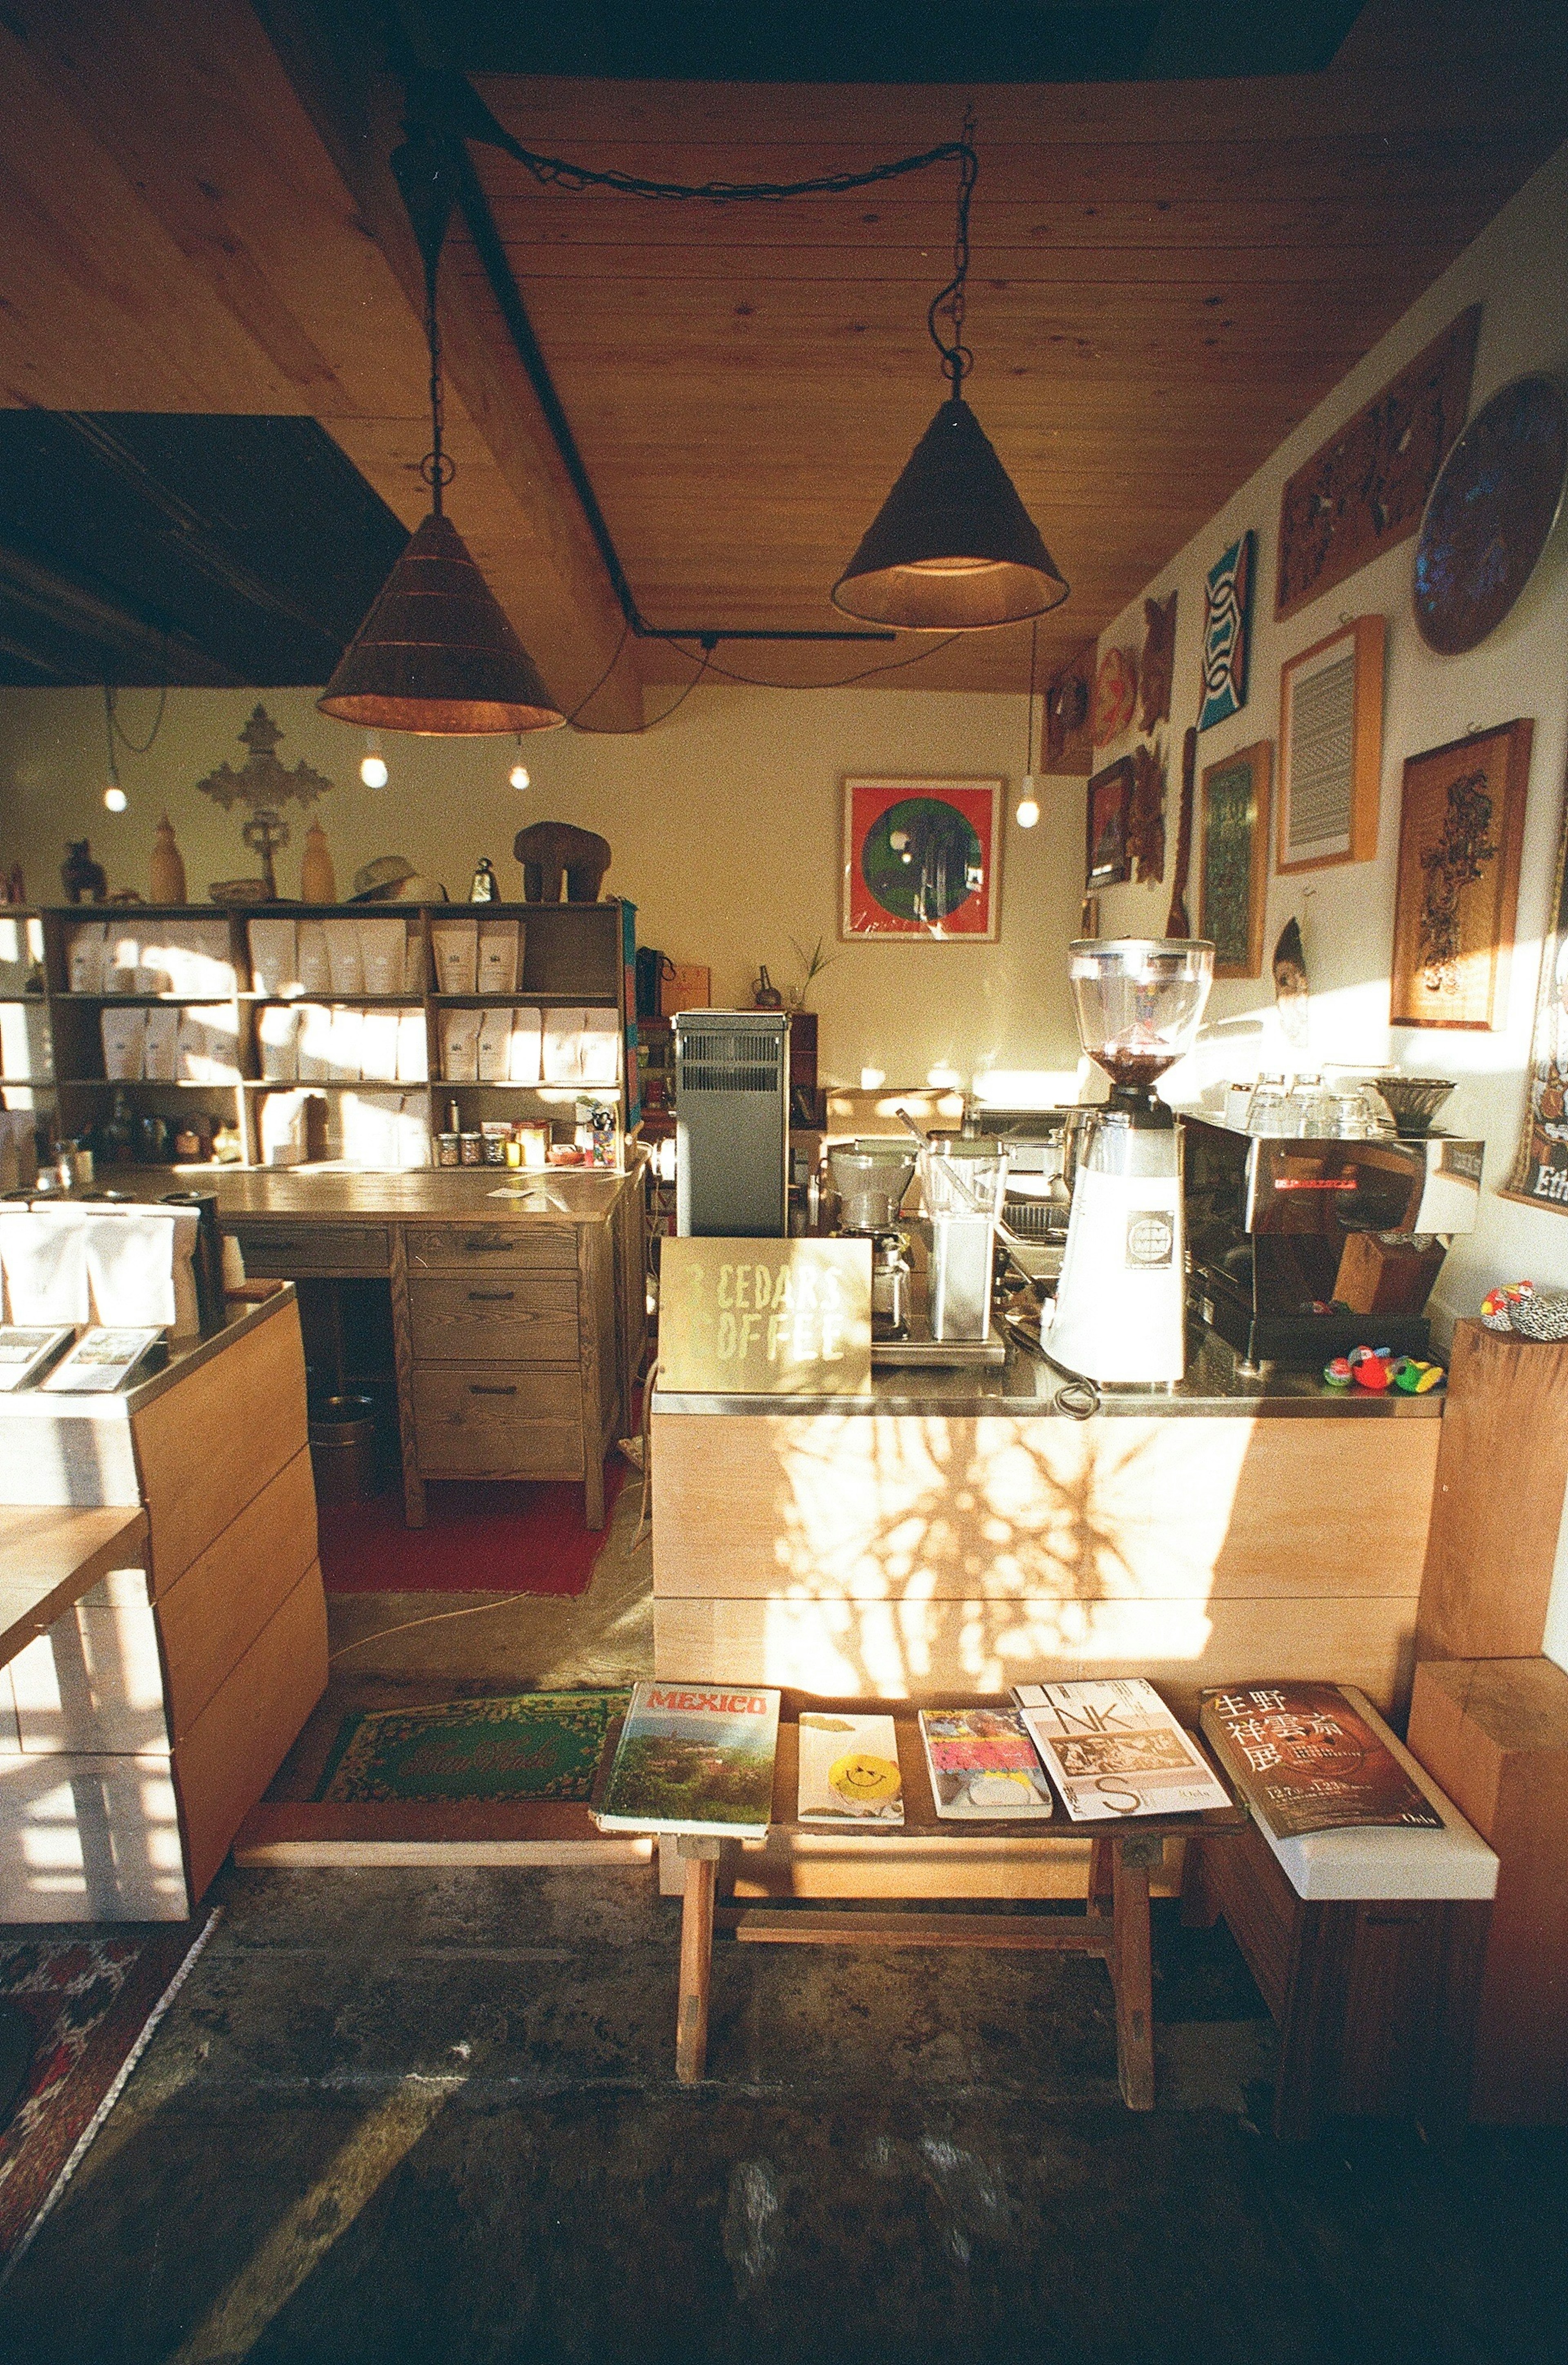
x,y
1024,1387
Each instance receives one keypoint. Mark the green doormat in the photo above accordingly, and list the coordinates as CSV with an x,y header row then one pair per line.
x,y
529,1745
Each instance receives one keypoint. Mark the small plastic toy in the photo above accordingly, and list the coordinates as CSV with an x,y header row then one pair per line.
x,y
1337,1375
1496,1304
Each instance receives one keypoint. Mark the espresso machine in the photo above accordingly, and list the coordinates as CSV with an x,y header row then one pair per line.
x,y
1120,1305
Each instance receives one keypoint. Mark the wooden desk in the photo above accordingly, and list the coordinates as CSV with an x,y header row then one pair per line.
x,y
1113,1927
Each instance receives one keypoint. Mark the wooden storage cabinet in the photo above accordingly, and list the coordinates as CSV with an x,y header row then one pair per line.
x,y
490,1248
497,1316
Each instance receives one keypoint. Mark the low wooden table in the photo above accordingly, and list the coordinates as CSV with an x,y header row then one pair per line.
x,y
1114,1926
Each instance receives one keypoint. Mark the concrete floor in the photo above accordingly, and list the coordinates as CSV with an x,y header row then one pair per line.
x,y
434,2115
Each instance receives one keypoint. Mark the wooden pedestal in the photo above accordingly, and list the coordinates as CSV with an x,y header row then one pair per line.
x,y
1497,1508
1375,2001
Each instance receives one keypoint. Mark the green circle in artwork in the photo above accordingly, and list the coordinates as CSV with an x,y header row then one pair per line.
x,y
921,859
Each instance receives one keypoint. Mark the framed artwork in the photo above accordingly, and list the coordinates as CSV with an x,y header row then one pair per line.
x,y
1332,748
1069,742
1107,860
922,859
1461,819
1228,630
1489,516
1233,858
1539,1175
1364,490
1116,696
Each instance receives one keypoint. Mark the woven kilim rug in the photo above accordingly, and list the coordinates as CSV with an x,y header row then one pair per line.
x,y
527,1745
93,2002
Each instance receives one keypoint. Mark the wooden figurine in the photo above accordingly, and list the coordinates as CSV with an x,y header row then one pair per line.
x,y
550,851
1146,818
1158,663
80,875
317,880
167,869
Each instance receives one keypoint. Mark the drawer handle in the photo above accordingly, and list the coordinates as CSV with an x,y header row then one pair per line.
x,y
476,1388
491,1297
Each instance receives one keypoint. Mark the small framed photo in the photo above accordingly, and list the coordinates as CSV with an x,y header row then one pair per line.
x,y
1332,748
1107,862
1233,858
923,858
1462,818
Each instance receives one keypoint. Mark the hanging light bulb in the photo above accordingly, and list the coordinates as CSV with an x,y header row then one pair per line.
x,y
517,776
373,763
436,655
114,798
1028,811
952,547
114,795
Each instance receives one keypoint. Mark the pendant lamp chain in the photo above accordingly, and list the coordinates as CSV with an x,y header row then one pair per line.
x,y
948,303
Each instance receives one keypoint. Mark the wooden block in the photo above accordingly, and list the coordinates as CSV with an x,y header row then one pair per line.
x,y
93,1683
212,1614
1494,1733
231,1751
89,1838
1497,1511
857,1507
209,1446
923,1650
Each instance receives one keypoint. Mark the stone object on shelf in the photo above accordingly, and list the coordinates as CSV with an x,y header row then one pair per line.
x,y
551,851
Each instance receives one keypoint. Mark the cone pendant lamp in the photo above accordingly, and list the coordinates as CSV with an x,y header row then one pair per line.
x,y
952,547
435,654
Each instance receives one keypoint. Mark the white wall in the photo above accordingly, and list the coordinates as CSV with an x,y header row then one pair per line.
x,y
723,821
1517,270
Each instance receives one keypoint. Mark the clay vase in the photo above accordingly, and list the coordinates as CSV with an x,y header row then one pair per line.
x,y
167,866
316,883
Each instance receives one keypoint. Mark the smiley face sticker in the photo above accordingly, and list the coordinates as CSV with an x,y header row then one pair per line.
x,y
867,1784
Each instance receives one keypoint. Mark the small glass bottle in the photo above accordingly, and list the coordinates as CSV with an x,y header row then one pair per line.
x,y
487,887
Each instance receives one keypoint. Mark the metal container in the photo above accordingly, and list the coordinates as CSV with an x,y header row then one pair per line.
x,y
871,1177
891,1281
341,1431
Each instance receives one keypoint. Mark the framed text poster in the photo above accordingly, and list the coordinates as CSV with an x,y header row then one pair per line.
x,y
1461,821
1332,748
922,859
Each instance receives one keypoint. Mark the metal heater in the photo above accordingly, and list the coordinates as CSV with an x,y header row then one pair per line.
x,y
732,1112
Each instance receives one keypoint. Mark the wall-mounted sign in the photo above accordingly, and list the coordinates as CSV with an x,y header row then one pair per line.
x,y
765,1318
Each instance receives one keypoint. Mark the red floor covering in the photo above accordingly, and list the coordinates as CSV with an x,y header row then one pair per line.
x,y
483,1536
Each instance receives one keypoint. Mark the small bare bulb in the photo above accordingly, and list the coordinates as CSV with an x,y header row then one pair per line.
x,y
114,798
517,776
1028,811
373,771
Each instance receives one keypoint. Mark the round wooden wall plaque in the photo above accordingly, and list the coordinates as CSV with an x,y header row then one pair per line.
x,y
1489,514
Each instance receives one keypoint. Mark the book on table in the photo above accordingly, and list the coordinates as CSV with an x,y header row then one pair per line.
x,y
1306,1759
849,1769
694,1758
1113,1748
105,1360
24,1353
983,1765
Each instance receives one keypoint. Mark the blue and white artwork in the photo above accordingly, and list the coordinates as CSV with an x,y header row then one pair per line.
x,y
1227,633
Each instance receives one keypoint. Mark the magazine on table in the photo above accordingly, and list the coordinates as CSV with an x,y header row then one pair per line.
x,y
983,1765
850,1770
103,1360
24,1353
695,1758
1306,1759
1113,1749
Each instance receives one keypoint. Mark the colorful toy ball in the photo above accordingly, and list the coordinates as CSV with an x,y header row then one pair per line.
x,y
1495,1306
1372,1373
1337,1375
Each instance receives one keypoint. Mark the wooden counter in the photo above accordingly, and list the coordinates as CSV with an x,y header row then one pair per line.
x,y
955,1533
518,1306
137,1732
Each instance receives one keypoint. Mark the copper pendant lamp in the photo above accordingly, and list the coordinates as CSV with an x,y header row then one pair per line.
x,y
436,655
952,548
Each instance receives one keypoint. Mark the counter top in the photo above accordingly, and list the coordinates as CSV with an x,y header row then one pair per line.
x,y
185,1355
1025,1387
342,1195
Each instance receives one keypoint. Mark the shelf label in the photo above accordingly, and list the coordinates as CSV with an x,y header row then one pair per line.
x,y
765,1318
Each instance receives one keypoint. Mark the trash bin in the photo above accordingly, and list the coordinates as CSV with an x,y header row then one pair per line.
x,y
342,1448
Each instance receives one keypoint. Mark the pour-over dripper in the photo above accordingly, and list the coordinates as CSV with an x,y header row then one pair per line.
x,y
1140,1001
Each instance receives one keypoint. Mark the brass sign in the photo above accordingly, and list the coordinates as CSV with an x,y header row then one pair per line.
x,y
765,1318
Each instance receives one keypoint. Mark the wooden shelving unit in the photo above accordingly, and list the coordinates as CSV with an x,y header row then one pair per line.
x,y
574,955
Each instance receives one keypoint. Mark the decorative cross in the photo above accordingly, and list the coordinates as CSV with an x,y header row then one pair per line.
x,y
263,784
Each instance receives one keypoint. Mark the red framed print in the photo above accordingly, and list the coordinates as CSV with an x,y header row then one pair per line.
x,y
923,858
1106,861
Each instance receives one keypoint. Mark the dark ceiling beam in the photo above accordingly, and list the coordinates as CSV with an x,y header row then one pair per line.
x,y
142,651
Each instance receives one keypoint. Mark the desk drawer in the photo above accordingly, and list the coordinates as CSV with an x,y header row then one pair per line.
x,y
494,1317
488,1395
279,1251
497,1449
490,1248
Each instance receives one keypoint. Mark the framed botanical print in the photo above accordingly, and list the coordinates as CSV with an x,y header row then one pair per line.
x,y
1107,861
1462,818
1233,858
922,859
1332,748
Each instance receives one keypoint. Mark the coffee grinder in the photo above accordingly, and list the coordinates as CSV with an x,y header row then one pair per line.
x,y
1119,1307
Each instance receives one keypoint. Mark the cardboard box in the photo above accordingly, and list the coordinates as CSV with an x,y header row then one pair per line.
x,y
684,985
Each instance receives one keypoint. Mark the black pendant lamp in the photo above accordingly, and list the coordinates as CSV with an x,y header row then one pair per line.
x,y
436,655
952,548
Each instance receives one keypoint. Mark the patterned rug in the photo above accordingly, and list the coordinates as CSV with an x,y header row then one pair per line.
x,y
93,2002
527,1745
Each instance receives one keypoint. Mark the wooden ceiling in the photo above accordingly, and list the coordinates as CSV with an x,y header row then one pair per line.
x,y
1167,276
